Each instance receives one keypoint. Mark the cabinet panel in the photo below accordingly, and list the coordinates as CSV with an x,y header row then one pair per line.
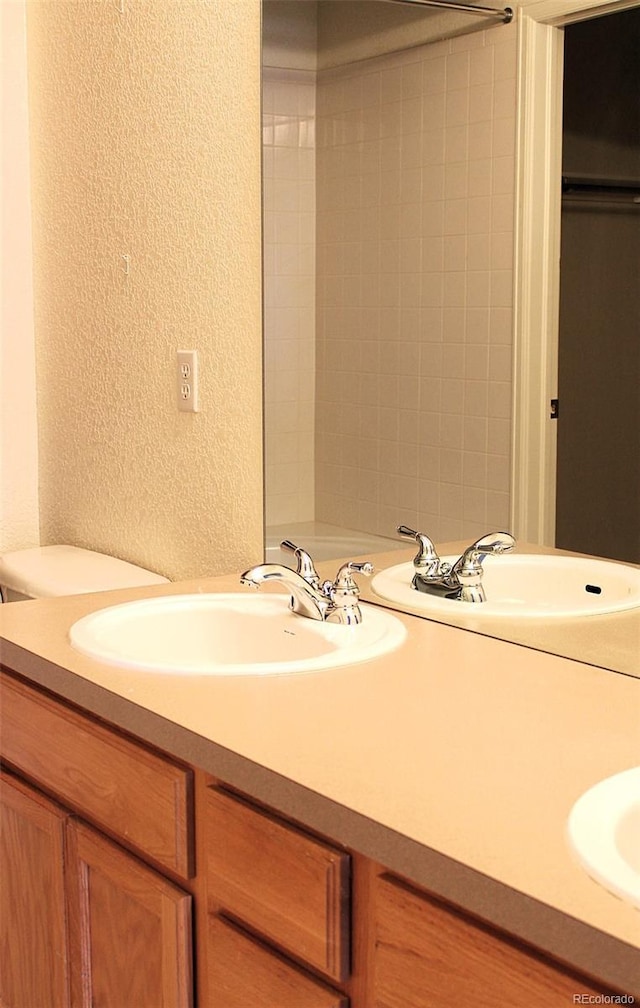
x,y
33,938
243,973
142,797
282,882
430,957
129,929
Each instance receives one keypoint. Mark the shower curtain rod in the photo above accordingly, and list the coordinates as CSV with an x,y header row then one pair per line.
x,y
506,14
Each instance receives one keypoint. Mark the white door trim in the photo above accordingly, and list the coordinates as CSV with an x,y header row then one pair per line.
x,y
536,279
537,257
562,12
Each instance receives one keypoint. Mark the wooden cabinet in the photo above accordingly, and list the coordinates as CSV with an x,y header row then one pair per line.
x,y
245,972
84,922
137,795
282,882
130,928
99,871
429,956
33,934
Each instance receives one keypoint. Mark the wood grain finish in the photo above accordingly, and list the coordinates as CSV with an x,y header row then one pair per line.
x,y
142,798
284,883
33,934
427,956
244,973
260,879
129,929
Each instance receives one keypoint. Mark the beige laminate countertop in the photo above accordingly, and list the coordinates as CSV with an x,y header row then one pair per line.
x,y
454,760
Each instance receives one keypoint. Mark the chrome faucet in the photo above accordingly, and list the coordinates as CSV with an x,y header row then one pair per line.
x,y
330,601
461,580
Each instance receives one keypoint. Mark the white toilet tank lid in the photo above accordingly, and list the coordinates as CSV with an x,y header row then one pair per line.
x,y
48,571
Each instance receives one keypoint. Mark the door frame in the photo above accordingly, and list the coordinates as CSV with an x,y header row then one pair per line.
x,y
537,257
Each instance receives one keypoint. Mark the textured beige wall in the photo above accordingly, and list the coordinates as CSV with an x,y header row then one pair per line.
x,y
146,143
18,431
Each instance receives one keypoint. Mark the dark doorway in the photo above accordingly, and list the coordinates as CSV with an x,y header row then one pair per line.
x,y
598,467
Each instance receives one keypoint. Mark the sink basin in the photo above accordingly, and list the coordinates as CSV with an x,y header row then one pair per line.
x,y
527,585
604,834
229,634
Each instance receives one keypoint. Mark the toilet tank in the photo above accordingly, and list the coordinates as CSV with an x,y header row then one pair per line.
x,y
48,571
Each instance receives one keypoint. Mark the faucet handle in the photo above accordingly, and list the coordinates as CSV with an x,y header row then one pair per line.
x,y
306,567
344,593
493,543
426,559
344,578
468,570
496,542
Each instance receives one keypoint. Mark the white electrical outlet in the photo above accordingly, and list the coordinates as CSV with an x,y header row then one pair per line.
x,y
187,380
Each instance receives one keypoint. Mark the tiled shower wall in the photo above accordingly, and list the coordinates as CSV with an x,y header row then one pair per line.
x,y
290,292
388,289
415,211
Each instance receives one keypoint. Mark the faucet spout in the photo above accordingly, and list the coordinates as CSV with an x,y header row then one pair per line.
x,y
330,601
256,576
305,598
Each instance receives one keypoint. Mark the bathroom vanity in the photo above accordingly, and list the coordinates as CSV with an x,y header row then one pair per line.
x,y
388,834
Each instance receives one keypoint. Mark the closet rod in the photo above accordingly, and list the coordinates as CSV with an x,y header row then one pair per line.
x,y
506,15
595,202
591,182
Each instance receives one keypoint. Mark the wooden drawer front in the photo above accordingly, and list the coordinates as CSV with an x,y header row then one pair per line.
x,y
285,884
430,957
244,972
142,798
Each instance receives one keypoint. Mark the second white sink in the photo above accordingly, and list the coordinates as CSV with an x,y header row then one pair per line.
x,y
604,833
229,634
525,586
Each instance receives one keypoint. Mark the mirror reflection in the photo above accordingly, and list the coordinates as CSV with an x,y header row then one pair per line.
x,y
389,205
389,215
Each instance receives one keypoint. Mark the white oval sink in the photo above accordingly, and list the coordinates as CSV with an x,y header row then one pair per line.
x,y
524,586
229,634
604,834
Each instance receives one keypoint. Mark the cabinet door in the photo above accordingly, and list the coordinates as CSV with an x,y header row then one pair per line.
x,y
246,974
428,956
33,941
129,929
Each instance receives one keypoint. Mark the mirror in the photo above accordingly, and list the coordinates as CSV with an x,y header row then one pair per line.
x,y
390,208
